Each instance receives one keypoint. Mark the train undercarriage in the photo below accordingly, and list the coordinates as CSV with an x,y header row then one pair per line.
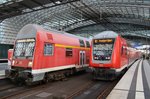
x,y
22,77
26,77
106,74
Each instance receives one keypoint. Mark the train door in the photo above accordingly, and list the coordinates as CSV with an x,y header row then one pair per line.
x,y
82,58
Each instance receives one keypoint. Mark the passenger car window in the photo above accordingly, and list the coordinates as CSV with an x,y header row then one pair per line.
x,y
81,43
48,49
87,44
69,52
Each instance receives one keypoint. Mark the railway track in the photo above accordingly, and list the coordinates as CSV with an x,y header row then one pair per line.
x,y
107,90
95,90
88,89
81,89
7,88
15,91
5,84
25,91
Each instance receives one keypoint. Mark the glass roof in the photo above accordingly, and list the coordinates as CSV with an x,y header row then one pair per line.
x,y
4,1
73,14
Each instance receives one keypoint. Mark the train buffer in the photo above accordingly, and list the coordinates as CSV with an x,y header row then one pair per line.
x,y
135,84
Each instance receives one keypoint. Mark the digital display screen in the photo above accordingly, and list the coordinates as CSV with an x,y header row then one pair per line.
x,y
100,41
102,49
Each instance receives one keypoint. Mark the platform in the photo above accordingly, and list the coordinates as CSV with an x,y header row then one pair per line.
x,y
3,66
135,84
3,60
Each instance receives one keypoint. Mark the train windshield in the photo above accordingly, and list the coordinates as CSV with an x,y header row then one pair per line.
x,y
102,49
24,48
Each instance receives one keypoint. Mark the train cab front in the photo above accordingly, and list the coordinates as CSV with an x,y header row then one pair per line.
x,y
101,58
22,61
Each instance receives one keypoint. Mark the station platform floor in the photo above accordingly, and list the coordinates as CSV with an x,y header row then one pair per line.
x,y
135,84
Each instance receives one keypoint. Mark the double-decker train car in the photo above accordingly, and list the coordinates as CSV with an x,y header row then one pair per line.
x,y
45,55
110,55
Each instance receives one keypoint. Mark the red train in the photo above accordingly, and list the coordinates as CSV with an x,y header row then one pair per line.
x,y
47,55
111,55
10,54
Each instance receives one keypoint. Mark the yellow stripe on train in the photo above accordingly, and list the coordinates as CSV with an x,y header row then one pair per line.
x,y
67,46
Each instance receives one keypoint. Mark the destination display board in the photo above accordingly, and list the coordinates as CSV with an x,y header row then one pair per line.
x,y
101,41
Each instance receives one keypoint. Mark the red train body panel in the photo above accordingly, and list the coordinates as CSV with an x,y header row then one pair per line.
x,y
48,51
10,54
110,55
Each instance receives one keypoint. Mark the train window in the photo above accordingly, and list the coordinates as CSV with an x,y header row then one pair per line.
x,y
87,44
48,49
122,51
103,49
69,52
24,48
29,48
81,43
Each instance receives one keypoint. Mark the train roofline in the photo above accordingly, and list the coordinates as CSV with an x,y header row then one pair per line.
x,y
106,34
32,29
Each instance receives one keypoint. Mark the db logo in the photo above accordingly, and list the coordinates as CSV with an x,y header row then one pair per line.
x,y
20,62
101,65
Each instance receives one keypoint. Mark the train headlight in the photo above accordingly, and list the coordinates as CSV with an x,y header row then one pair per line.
x,y
30,64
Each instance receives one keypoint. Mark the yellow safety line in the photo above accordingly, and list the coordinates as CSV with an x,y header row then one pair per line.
x,y
67,46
